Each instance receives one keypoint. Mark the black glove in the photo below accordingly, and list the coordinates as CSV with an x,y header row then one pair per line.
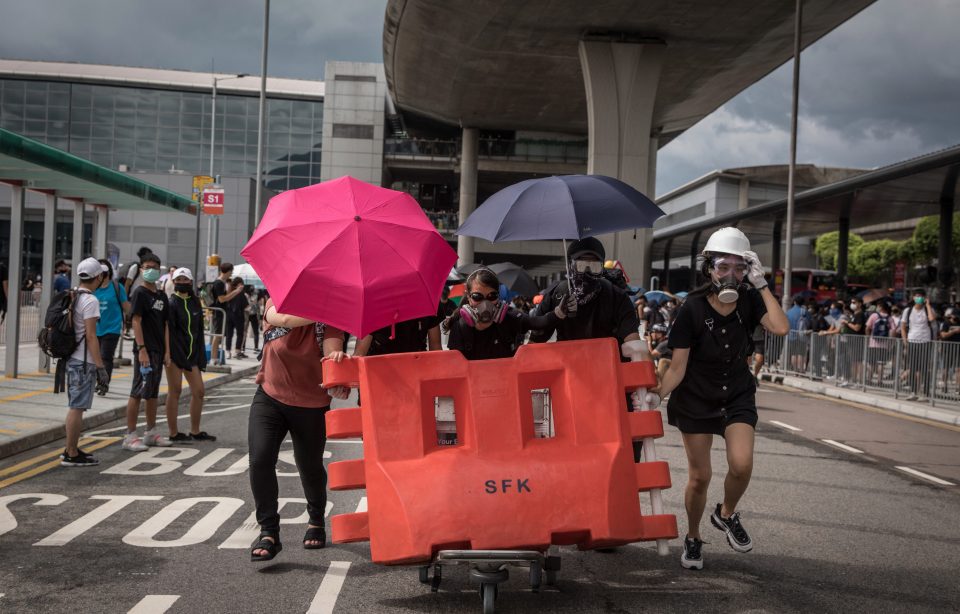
x,y
566,307
103,380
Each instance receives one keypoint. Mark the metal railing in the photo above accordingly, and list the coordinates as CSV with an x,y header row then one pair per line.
x,y
927,372
531,150
29,318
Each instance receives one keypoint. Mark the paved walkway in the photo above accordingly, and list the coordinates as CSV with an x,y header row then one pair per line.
x,y
31,414
948,415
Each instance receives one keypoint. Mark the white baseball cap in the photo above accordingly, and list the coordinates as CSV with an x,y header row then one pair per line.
x,y
89,268
182,272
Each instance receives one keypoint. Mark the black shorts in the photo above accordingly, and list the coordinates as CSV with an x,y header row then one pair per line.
x,y
216,326
758,346
712,426
147,387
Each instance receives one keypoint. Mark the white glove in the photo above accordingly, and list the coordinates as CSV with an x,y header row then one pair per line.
x,y
566,307
755,274
653,401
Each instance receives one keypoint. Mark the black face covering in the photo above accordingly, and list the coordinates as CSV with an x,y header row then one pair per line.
x,y
584,286
184,288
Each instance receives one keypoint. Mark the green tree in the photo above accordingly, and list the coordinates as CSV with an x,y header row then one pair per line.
x,y
874,259
828,244
926,238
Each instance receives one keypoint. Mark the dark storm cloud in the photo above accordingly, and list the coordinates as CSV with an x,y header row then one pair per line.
x,y
187,34
881,88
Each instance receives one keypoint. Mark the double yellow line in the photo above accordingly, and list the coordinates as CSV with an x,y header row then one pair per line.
x,y
89,444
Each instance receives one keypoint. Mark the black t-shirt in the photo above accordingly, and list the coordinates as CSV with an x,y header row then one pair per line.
x,y
499,340
218,289
945,328
152,309
409,336
717,379
236,307
858,318
610,314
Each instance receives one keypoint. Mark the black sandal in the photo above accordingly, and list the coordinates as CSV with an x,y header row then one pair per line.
x,y
315,534
273,547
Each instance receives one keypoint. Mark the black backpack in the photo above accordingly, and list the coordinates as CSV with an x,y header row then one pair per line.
x,y
57,338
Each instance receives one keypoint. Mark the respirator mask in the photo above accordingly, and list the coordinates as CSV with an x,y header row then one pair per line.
x,y
726,275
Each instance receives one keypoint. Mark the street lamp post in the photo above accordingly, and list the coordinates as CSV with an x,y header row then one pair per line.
x,y
213,244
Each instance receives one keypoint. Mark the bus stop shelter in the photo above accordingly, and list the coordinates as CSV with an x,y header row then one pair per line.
x,y
907,190
26,164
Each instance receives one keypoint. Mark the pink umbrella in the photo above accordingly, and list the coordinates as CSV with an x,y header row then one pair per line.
x,y
350,254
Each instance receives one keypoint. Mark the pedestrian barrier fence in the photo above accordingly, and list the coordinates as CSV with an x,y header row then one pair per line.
x,y
499,486
29,318
928,372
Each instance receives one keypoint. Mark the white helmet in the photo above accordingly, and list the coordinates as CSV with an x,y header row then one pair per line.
x,y
727,240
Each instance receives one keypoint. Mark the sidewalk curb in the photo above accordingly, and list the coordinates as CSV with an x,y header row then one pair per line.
x,y
91,421
910,409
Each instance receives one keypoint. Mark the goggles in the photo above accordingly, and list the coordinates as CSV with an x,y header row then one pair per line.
x,y
725,265
477,297
588,266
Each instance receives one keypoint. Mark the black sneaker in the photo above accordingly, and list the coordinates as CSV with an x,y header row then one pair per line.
x,y
80,452
82,459
736,535
203,436
180,438
692,558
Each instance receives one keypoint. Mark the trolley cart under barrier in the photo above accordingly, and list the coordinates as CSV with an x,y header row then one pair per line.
x,y
211,334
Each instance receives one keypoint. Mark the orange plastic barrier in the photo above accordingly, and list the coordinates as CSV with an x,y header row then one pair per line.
x,y
498,486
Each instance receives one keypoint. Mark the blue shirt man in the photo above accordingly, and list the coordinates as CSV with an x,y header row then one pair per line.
x,y
111,298
798,318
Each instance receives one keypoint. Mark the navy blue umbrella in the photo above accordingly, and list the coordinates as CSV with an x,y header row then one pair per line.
x,y
561,207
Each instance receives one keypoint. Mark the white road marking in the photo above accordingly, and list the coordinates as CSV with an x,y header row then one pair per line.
x,y
326,597
362,506
784,425
164,420
243,537
154,604
114,503
925,476
201,531
842,446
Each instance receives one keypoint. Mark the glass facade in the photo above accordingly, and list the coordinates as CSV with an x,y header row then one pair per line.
x,y
155,130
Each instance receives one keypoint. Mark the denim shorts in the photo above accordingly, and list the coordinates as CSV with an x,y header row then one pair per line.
x,y
80,382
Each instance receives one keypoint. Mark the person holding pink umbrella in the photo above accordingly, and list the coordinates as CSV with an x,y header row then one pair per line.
x,y
291,399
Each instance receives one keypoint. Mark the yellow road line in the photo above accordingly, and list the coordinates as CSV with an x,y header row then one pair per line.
x,y
54,463
40,457
25,395
8,432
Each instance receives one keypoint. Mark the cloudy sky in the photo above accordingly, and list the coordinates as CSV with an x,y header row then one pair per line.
x,y
881,88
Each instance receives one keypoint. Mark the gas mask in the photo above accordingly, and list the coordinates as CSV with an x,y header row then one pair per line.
x,y
484,312
726,275
585,279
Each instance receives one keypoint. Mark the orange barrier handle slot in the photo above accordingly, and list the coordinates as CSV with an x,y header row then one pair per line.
x,y
346,475
650,475
344,423
638,375
344,373
661,526
347,528
645,424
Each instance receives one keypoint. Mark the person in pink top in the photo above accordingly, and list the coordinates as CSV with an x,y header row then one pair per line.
x,y
291,399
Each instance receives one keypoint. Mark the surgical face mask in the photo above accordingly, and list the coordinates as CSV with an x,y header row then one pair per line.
x,y
184,288
151,275
918,300
853,306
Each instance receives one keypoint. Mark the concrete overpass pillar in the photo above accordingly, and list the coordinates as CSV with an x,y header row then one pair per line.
x,y
945,247
468,190
775,247
621,82
694,252
666,264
